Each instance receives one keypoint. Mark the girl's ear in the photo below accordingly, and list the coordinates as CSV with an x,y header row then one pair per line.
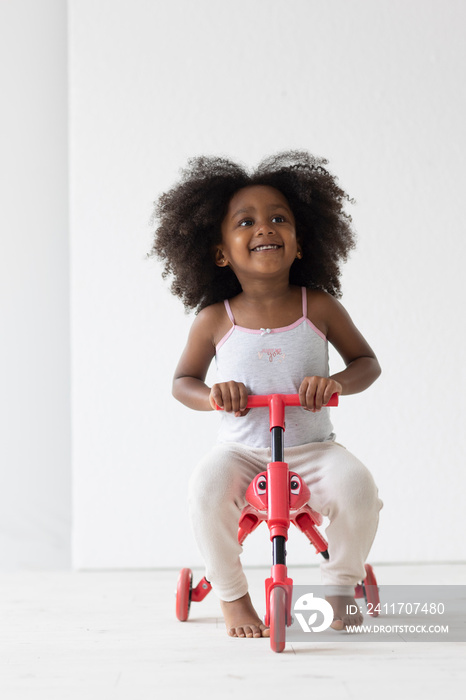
x,y
299,254
220,259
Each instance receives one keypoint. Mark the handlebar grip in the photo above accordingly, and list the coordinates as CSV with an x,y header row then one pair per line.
x,y
261,401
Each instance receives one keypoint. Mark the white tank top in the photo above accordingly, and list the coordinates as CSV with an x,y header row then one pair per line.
x,y
273,361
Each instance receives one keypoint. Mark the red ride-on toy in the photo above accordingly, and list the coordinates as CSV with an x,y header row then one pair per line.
x,y
279,497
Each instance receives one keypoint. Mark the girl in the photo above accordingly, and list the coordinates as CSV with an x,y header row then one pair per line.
x,y
258,257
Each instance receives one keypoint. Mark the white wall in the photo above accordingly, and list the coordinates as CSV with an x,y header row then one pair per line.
x,y
35,451
376,88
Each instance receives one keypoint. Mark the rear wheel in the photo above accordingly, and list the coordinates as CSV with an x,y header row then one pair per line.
x,y
183,594
277,618
371,591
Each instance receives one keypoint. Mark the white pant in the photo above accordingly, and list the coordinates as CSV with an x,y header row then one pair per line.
x,y
342,489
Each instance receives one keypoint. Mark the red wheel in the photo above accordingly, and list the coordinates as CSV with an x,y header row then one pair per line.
x,y
183,594
277,618
371,591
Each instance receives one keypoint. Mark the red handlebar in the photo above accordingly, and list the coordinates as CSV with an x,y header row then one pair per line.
x,y
258,401
276,404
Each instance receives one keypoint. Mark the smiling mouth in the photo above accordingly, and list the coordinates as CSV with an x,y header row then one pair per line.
x,y
266,247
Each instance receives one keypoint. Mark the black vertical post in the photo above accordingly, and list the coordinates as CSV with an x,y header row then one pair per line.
x,y
277,444
279,550
278,542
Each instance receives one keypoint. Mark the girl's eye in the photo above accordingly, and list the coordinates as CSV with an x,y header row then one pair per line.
x,y
250,221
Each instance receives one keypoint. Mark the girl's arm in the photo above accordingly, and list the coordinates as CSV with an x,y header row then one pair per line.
x,y
362,367
189,385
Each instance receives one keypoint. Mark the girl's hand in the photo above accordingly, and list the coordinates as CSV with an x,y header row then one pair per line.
x,y
231,396
315,392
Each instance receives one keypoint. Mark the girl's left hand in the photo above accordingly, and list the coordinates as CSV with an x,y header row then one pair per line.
x,y
315,392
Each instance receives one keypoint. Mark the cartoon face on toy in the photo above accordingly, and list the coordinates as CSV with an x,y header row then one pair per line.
x,y
299,492
256,493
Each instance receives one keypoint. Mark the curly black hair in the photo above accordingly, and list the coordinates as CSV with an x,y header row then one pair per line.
x,y
190,215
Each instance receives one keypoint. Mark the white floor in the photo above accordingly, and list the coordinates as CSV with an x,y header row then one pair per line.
x,y
108,635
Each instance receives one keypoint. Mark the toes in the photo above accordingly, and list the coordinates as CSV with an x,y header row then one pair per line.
x,y
337,624
249,631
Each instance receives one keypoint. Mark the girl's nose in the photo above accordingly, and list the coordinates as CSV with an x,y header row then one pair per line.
x,y
264,229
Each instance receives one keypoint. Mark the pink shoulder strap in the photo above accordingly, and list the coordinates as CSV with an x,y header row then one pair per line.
x,y
228,308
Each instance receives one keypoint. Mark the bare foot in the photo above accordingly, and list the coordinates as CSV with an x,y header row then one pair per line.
x,y
242,620
345,611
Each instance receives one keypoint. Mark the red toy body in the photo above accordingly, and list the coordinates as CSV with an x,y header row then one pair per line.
x,y
279,497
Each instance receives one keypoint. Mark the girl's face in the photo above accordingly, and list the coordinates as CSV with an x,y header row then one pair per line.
x,y
258,234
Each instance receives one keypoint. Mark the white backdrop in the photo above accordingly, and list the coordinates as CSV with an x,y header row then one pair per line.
x,y
376,88
35,447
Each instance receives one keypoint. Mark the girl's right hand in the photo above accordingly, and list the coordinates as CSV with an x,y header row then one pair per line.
x,y
231,396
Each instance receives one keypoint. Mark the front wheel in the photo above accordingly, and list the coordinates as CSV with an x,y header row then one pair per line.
x,y
183,594
277,618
